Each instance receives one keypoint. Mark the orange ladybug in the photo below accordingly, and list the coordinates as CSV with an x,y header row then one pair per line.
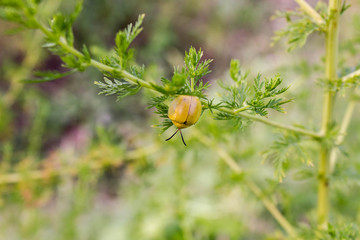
x,y
184,111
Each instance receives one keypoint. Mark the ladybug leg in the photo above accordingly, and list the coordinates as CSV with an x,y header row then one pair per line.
x,y
173,135
182,137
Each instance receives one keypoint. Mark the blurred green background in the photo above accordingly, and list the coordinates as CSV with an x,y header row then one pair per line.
x,y
75,165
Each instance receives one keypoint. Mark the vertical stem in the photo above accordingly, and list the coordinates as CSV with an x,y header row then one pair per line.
x,y
332,37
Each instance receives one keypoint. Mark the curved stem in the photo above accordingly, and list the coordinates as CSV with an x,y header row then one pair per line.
x,y
351,75
129,77
273,123
310,11
241,109
270,206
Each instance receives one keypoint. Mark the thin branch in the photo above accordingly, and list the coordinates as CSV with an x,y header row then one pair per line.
x,y
241,109
310,11
342,133
129,77
273,123
221,152
230,161
351,75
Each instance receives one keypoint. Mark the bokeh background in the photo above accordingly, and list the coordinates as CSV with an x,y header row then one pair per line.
x,y
75,165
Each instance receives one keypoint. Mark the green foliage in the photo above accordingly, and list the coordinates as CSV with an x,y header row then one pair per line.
x,y
264,90
238,97
118,87
21,12
123,40
162,111
339,85
162,192
299,27
123,60
195,68
345,6
47,76
346,177
338,231
188,79
288,147
237,93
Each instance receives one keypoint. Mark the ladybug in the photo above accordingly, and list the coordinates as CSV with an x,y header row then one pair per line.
x,y
184,111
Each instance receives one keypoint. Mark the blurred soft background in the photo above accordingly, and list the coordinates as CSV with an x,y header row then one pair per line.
x,y
75,165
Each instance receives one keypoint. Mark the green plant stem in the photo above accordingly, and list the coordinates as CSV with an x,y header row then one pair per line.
x,y
133,79
270,206
342,133
310,11
192,84
241,109
230,161
273,123
332,35
351,75
129,77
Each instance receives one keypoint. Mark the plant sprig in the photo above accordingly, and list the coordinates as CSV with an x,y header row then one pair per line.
x,y
185,81
240,97
288,147
124,77
299,26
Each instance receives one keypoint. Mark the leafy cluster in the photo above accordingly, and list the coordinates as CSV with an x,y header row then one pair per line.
x,y
236,94
345,177
265,96
288,147
162,111
58,34
339,85
185,81
123,40
59,39
123,60
239,97
299,27
46,76
20,12
338,231
118,87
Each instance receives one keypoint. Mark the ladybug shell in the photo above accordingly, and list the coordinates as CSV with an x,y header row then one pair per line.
x,y
184,111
